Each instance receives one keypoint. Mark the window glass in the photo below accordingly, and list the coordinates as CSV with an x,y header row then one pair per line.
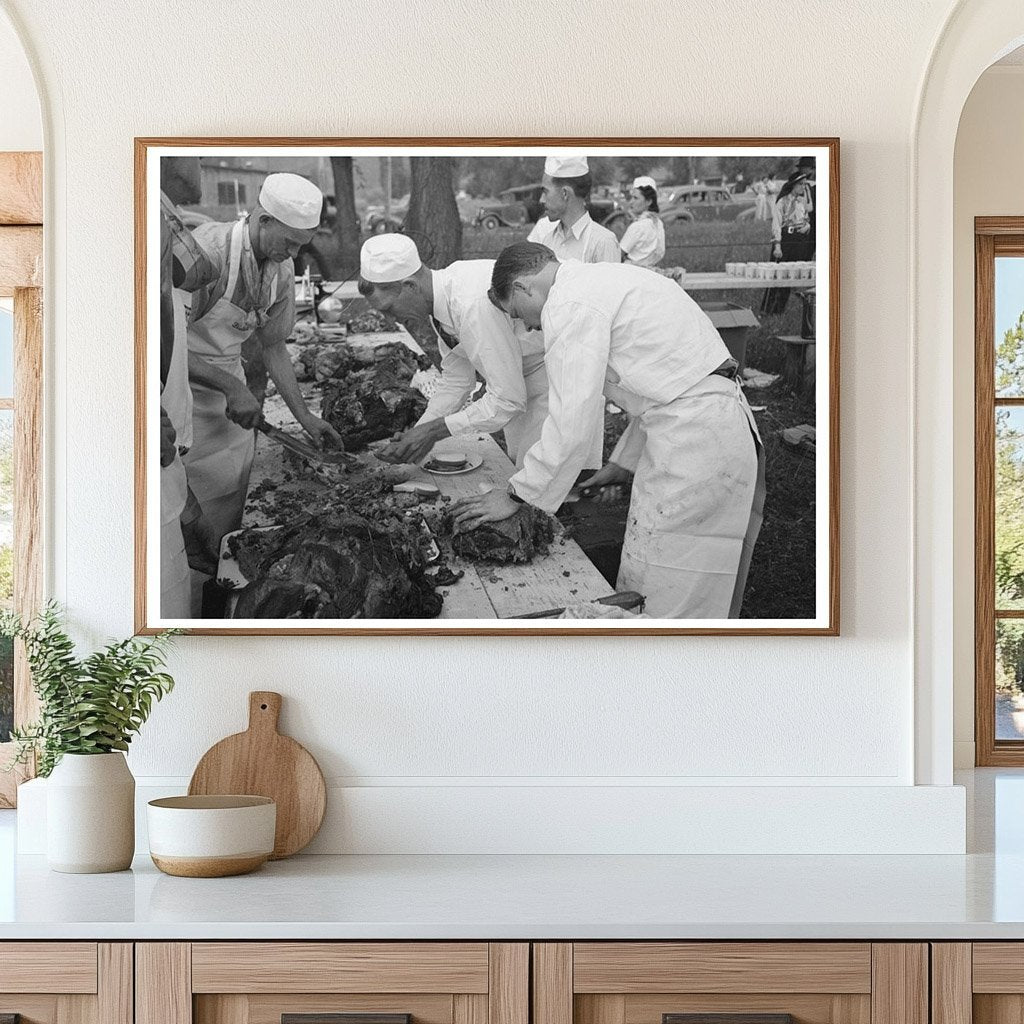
x,y
1009,327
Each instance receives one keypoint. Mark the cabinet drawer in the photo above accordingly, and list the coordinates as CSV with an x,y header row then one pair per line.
x,y
755,967
340,967
332,983
58,967
66,982
730,983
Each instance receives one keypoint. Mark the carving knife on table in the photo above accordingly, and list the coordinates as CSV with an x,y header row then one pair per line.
x,y
304,448
627,599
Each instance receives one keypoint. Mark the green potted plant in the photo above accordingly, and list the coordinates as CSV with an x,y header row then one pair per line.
x,y
89,710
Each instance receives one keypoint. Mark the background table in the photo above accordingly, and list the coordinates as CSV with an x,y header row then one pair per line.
x,y
729,282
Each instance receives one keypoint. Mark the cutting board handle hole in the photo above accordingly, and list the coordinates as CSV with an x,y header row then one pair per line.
x,y
263,707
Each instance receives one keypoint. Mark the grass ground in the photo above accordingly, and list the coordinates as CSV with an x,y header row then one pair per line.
x,y
781,583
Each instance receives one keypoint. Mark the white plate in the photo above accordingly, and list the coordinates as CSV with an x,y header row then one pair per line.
x,y
472,462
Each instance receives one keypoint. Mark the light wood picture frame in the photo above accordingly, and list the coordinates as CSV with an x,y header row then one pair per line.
x,y
496,598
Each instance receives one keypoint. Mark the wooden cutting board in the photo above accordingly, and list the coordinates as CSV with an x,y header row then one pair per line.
x,y
262,762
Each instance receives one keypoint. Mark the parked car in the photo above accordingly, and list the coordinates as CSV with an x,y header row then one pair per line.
x,y
375,223
516,207
703,202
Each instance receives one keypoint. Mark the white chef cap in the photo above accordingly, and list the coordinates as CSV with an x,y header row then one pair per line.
x,y
645,182
389,257
566,165
293,200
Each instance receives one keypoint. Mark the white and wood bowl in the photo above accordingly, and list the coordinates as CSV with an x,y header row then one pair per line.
x,y
211,836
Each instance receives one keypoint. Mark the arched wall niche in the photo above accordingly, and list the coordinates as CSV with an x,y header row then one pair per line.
x,y
976,34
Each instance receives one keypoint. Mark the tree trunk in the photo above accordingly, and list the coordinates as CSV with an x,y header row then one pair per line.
x,y
433,220
346,223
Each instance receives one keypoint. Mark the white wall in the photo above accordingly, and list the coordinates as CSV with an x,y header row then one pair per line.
x,y
988,181
467,711
21,126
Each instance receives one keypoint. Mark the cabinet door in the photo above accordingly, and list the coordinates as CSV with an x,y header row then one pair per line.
x,y
981,982
66,983
730,983
332,983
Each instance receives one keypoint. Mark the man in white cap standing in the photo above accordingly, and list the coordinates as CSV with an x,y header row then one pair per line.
x,y
474,336
568,230
253,296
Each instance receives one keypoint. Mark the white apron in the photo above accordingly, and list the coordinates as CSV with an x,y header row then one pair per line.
x,y
175,577
690,529
176,401
221,455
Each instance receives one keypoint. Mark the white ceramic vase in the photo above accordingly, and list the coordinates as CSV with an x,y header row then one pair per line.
x,y
90,814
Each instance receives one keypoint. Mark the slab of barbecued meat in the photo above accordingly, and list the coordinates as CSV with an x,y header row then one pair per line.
x,y
374,403
336,566
519,538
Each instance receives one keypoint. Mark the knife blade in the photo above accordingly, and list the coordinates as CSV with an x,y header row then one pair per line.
x,y
627,599
304,448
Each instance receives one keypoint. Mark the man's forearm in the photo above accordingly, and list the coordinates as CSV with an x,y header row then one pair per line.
x,y
202,372
282,373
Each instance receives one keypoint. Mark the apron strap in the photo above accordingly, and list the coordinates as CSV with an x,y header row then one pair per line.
x,y
234,259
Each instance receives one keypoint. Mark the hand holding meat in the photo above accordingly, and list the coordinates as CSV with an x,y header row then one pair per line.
x,y
607,481
242,407
484,508
415,444
322,433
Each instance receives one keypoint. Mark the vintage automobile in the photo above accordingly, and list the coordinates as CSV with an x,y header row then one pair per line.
x,y
703,202
516,207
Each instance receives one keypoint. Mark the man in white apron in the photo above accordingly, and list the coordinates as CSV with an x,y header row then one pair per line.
x,y
637,338
254,295
474,336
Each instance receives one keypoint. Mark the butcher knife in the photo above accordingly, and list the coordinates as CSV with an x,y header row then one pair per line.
x,y
305,448
627,599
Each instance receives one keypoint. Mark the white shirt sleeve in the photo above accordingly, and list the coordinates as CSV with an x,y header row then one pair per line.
x,y
536,233
488,343
579,340
633,237
458,378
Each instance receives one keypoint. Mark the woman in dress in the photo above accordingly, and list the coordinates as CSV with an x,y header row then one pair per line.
x,y
643,243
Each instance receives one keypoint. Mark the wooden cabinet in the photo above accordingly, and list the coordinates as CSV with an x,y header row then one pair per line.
x,y
66,982
512,983
751,982
332,983
978,983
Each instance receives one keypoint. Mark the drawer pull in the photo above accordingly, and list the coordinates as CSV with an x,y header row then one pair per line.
x,y
727,1018
341,1018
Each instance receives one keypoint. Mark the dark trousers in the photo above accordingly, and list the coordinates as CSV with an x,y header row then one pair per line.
x,y
794,249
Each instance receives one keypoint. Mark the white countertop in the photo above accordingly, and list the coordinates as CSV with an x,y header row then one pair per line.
x,y
517,897
977,896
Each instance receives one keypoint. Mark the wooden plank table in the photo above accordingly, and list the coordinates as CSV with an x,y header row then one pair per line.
x,y
563,577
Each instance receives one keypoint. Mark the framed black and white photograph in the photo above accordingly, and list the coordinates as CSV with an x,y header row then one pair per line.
x,y
449,386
